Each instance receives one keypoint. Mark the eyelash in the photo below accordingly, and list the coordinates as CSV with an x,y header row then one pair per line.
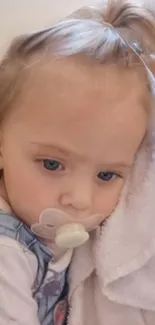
x,y
112,176
54,165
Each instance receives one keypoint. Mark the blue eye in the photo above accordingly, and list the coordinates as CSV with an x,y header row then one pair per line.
x,y
52,164
107,176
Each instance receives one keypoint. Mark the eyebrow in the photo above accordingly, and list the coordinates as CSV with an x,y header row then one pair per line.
x,y
67,153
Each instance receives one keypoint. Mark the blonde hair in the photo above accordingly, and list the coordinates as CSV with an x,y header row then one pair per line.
x,y
102,34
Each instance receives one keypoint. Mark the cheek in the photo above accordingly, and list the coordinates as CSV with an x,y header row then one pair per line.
x,y
29,192
107,198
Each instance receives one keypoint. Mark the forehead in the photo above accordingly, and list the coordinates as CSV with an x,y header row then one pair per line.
x,y
74,72
82,100
78,81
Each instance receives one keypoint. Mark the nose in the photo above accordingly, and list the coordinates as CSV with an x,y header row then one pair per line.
x,y
77,196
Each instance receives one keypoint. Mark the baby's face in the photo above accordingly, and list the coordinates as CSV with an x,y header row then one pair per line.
x,y
71,139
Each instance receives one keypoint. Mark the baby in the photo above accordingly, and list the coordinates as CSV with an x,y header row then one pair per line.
x,y
76,148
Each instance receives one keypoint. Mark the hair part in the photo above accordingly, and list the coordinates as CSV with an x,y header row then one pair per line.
x,y
102,34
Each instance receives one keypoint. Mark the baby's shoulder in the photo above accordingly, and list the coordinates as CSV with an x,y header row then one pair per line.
x,y
13,244
16,263
8,221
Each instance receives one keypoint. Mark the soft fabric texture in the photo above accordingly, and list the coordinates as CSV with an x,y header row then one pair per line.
x,y
112,277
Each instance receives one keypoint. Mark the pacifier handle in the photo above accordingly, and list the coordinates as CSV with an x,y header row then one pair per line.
x,y
71,236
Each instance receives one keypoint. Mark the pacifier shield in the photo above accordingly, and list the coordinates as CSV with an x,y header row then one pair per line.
x,y
61,228
43,231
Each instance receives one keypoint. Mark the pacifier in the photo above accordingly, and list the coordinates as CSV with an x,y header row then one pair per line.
x,y
59,227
